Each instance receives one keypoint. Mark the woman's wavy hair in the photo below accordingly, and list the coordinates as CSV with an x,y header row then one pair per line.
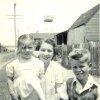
x,y
51,42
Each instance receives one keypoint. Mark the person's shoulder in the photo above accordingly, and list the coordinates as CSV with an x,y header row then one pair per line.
x,y
55,63
12,62
70,81
37,60
67,73
93,80
56,66
36,53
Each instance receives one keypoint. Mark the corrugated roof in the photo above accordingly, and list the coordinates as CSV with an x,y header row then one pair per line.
x,y
43,35
83,19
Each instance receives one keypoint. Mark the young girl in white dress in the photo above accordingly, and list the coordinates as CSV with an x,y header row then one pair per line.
x,y
24,72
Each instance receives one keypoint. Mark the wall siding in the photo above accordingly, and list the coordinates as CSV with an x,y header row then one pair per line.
x,y
92,28
76,36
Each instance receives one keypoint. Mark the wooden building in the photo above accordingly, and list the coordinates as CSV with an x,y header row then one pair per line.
x,y
86,27
61,37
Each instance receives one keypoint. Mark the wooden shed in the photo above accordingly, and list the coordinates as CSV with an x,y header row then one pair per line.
x,y
86,27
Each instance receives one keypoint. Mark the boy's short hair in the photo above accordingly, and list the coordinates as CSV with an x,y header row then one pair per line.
x,y
82,55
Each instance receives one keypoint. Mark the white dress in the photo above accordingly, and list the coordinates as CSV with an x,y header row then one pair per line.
x,y
25,75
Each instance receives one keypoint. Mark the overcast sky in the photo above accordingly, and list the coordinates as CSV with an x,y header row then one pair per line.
x,y
32,13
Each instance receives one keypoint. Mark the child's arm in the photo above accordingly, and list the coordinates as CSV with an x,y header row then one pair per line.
x,y
11,89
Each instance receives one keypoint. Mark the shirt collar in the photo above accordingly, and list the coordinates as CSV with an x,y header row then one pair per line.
x,y
90,82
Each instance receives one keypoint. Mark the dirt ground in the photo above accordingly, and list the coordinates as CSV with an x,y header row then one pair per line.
x,y
4,59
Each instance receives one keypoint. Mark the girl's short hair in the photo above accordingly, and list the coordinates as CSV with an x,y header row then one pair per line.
x,y
82,55
23,38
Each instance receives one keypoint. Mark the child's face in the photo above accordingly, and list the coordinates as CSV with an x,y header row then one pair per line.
x,y
80,69
46,52
26,49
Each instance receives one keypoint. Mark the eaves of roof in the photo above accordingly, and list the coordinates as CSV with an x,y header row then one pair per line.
x,y
85,17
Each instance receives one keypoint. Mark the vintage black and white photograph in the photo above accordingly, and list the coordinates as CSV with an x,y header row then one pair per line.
x,y
49,49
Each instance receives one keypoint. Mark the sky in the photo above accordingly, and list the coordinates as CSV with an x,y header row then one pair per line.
x,y
30,16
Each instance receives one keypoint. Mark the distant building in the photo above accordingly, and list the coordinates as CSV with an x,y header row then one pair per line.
x,y
43,36
86,27
10,47
3,48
